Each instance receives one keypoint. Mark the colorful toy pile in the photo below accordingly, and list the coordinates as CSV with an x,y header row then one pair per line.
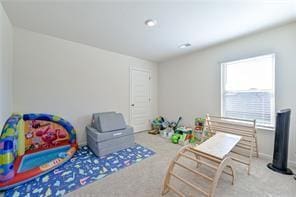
x,y
33,144
180,135
164,127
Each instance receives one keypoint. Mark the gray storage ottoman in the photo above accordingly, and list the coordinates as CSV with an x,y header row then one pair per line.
x,y
104,138
108,142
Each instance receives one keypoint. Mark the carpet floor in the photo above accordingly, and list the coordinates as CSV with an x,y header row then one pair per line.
x,y
145,178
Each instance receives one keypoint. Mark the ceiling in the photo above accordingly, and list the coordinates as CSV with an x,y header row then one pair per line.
x,y
118,26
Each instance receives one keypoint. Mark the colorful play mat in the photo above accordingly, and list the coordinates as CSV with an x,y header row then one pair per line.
x,y
32,145
82,169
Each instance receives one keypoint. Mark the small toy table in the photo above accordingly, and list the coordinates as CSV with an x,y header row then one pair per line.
x,y
213,153
219,145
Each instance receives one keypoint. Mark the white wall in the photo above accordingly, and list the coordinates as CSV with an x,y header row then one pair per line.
x,y
6,61
190,85
71,80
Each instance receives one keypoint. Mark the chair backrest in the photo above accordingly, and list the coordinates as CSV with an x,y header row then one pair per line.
x,y
243,151
242,127
108,121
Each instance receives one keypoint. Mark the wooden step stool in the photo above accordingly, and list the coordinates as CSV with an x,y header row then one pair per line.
x,y
213,154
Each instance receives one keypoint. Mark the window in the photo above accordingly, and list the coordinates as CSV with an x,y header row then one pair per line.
x,y
248,89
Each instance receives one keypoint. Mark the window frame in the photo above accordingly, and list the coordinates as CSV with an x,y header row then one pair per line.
x,y
223,66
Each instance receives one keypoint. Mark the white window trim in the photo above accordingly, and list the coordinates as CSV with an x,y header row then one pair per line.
x,y
223,82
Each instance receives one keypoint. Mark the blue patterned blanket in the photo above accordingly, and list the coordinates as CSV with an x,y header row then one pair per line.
x,y
84,168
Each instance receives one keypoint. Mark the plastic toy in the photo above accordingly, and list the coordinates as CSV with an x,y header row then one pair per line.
x,y
32,145
183,130
174,125
167,133
184,139
165,124
199,123
182,135
175,138
198,136
157,124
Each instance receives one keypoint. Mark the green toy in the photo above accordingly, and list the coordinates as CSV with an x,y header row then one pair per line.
x,y
193,140
175,138
182,130
184,140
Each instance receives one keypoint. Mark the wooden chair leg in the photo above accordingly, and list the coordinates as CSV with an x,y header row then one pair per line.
x,y
225,162
256,144
167,177
232,174
197,163
250,159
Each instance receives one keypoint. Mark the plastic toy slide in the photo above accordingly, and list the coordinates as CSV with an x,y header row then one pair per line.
x,y
32,145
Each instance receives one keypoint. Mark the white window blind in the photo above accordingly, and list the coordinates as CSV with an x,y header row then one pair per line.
x,y
248,89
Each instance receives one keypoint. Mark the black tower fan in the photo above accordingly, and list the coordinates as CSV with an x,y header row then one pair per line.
x,y
281,143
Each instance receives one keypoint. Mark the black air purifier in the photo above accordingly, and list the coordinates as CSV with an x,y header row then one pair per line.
x,y
281,143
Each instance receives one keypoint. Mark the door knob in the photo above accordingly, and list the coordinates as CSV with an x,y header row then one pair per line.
x,y
132,105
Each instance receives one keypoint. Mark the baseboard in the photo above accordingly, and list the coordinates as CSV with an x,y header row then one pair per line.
x,y
269,157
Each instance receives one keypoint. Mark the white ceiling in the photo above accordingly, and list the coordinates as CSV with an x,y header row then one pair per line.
x,y
119,25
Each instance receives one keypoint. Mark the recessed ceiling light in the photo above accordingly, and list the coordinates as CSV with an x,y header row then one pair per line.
x,y
150,22
186,45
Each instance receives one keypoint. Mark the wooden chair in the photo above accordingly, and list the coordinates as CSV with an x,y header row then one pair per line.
x,y
248,145
207,154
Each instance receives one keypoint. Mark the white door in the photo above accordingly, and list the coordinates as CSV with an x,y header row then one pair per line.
x,y
140,100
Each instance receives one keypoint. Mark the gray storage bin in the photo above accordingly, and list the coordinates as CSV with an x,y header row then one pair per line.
x,y
104,143
108,133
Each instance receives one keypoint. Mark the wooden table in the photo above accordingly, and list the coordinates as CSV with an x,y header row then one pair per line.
x,y
219,145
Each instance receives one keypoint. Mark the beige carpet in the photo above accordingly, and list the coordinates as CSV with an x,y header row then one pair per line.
x,y
145,178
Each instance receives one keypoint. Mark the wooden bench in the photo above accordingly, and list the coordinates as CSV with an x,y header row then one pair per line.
x,y
248,145
213,154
